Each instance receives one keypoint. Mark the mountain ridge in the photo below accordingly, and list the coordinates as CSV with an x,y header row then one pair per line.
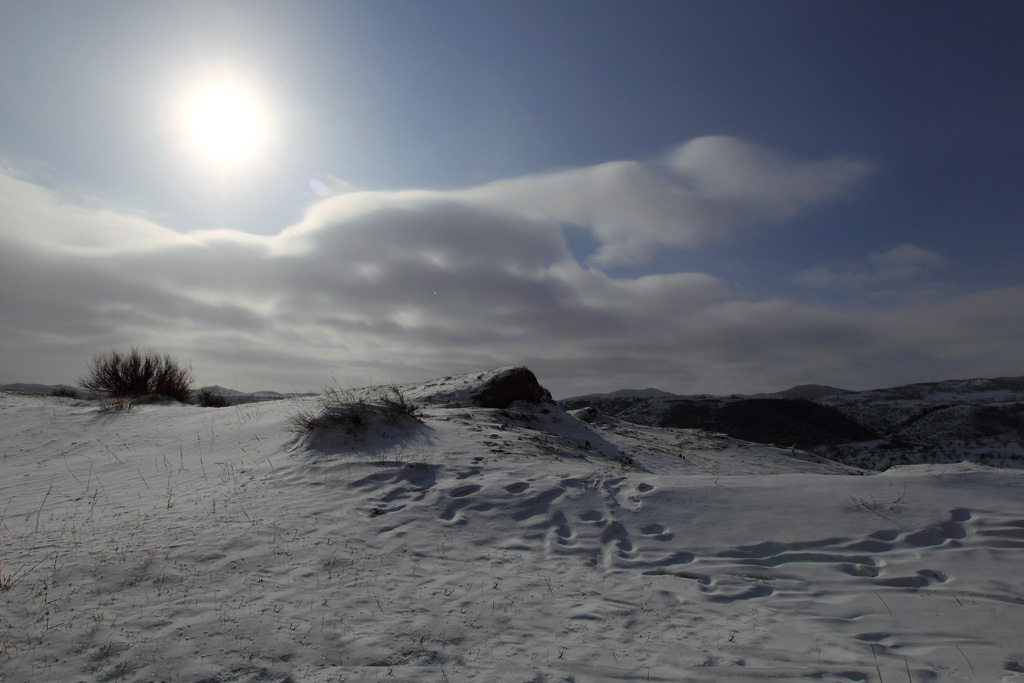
x,y
979,419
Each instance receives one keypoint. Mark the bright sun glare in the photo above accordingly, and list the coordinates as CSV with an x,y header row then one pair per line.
x,y
225,123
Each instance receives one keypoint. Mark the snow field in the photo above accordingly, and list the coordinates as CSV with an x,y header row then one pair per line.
x,y
175,543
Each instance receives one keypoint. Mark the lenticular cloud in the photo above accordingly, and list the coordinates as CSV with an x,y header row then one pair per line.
x,y
708,189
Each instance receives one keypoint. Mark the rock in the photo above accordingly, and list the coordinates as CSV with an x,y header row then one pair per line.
x,y
515,384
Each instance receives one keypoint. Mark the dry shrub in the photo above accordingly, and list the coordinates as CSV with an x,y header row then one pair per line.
x,y
334,408
134,374
350,410
397,403
208,398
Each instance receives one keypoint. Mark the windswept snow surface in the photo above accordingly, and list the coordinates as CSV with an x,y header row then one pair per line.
x,y
178,543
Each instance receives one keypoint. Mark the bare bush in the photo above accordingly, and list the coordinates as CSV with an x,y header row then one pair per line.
x,y
65,392
334,408
208,398
133,374
350,410
397,402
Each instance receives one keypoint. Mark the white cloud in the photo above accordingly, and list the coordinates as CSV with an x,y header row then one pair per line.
x,y
401,286
899,263
709,189
760,182
33,215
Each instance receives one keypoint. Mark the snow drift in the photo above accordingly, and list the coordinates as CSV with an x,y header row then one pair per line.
x,y
507,543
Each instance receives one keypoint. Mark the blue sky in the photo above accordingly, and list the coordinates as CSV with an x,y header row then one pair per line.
x,y
698,196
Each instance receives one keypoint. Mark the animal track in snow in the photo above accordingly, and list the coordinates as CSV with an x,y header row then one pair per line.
x,y
760,590
463,491
656,531
601,537
924,577
883,558
536,505
1009,535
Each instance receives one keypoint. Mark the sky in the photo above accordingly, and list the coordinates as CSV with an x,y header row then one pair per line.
x,y
703,197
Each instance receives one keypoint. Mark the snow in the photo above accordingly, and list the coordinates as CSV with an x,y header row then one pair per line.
x,y
179,543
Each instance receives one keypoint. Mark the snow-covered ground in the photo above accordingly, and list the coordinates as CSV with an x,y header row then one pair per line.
x,y
213,545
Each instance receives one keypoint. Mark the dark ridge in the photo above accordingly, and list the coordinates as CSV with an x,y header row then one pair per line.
x,y
811,392
782,422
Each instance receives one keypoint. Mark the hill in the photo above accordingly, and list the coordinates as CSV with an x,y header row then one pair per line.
x,y
978,419
481,532
809,392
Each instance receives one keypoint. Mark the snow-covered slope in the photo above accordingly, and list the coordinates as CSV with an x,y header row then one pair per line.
x,y
515,543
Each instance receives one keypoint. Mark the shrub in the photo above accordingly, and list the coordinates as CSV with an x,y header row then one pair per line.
x,y
334,407
133,374
208,398
397,403
117,405
65,392
351,410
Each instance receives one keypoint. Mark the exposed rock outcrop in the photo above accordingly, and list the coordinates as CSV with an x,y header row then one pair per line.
x,y
516,384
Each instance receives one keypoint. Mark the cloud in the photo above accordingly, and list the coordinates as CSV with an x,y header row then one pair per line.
x,y
902,262
764,183
34,215
409,285
709,189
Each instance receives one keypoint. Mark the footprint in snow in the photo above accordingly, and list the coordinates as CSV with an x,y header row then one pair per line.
x,y
714,594
379,511
657,532
559,530
924,578
463,491
536,505
592,516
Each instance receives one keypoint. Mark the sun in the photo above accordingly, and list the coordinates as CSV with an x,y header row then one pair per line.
x,y
225,122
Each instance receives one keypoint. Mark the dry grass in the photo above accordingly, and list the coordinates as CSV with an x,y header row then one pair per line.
x,y
349,409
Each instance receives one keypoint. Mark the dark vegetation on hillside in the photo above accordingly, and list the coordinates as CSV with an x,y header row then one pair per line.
x,y
782,422
981,420
1006,418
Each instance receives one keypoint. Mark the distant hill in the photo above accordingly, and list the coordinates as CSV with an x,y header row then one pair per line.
x,y
781,422
234,397
948,421
231,395
810,392
44,389
626,393
776,421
